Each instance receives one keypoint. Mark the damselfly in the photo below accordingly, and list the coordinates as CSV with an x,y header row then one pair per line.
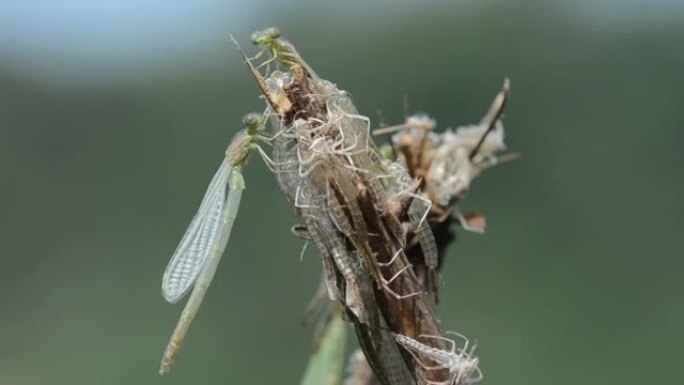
x,y
194,262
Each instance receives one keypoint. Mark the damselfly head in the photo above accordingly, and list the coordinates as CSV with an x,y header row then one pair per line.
x,y
253,122
266,36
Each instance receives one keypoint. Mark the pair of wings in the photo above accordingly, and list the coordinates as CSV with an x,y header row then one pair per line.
x,y
206,237
196,259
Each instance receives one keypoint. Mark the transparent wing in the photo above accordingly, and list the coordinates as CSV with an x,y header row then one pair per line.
x,y
206,275
196,245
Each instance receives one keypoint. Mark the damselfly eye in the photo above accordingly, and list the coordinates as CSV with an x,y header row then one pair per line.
x,y
257,37
272,32
251,119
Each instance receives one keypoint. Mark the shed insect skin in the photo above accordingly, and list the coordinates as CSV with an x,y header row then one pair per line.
x,y
322,164
417,213
377,191
324,233
461,365
312,199
352,124
418,210
340,122
337,213
386,282
285,160
318,159
321,227
326,256
324,159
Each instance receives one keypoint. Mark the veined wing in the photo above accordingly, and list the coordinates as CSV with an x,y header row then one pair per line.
x,y
206,275
196,245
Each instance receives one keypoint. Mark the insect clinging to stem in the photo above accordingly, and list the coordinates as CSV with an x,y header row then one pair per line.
x,y
196,259
280,50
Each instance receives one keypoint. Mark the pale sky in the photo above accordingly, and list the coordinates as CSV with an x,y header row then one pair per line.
x,y
86,36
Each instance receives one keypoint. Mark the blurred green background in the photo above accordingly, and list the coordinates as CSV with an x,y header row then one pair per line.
x,y
115,115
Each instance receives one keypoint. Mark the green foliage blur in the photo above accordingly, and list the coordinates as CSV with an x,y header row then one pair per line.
x,y
577,280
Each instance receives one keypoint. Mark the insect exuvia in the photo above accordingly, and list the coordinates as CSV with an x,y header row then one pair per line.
x,y
462,365
194,262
